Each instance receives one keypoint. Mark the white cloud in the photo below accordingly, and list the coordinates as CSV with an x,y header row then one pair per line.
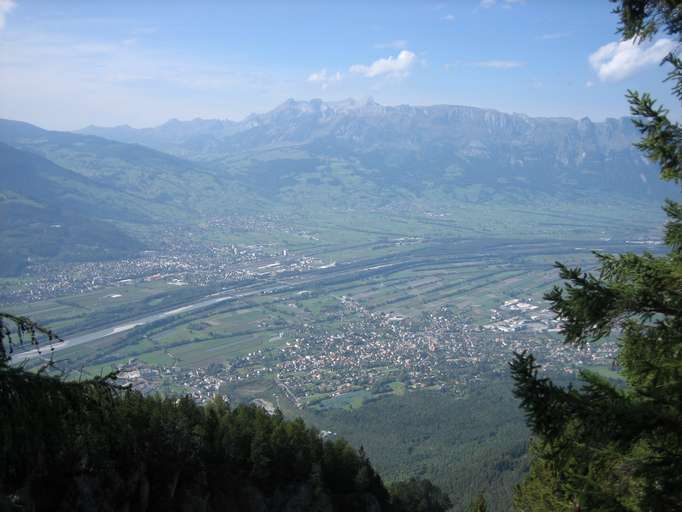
x,y
318,76
619,60
554,35
449,18
397,44
324,78
500,64
62,82
392,66
5,7
507,4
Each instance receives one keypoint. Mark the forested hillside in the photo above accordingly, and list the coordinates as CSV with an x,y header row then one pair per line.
x,y
466,445
50,212
92,445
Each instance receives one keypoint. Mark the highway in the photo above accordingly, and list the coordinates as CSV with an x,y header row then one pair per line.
x,y
69,342
443,253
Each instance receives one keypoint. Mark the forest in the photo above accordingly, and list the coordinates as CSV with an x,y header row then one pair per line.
x,y
93,445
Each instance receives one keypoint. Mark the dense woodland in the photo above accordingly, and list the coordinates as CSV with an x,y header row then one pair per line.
x,y
94,446
465,445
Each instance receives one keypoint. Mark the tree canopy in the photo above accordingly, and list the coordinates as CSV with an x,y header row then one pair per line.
x,y
94,445
602,445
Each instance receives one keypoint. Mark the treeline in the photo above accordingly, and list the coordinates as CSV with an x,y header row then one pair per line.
x,y
94,446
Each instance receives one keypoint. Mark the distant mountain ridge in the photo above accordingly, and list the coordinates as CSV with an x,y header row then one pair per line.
x,y
170,136
151,179
446,145
298,122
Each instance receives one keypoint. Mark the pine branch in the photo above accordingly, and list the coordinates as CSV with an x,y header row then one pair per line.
x,y
12,326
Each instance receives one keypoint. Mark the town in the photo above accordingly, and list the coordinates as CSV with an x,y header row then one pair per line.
x,y
184,259
375,353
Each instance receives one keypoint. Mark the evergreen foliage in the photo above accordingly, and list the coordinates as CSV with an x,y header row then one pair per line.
x,y
19,330
93,445
600,446
479,504
418,495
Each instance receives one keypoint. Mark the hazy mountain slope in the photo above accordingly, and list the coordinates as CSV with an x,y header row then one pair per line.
x,y
169,188
49,211
445,147
448,147
69,196
178,137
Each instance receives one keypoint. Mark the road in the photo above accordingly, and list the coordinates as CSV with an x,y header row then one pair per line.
x,y
45,350
462,250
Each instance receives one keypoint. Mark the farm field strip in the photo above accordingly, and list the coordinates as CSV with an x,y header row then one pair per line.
x,y
463,272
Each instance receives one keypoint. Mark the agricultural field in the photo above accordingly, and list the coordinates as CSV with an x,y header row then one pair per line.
x,y
350,320
407,277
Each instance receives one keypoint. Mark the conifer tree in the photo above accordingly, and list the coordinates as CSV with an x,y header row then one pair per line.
x,y
478,504
418,495
599,446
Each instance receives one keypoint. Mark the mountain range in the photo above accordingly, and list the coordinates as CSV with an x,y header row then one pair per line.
x,y
308,156
409,145
377,126
76,197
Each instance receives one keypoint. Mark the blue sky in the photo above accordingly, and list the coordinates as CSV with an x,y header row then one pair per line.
x,y
68,64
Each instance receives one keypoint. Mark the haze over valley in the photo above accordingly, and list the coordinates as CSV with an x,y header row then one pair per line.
x,y
355,252
319,162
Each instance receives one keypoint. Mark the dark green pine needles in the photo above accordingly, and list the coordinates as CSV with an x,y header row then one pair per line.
x,y
94,446
600,446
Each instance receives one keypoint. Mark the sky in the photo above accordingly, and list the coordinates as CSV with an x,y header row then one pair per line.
x,y
68,64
